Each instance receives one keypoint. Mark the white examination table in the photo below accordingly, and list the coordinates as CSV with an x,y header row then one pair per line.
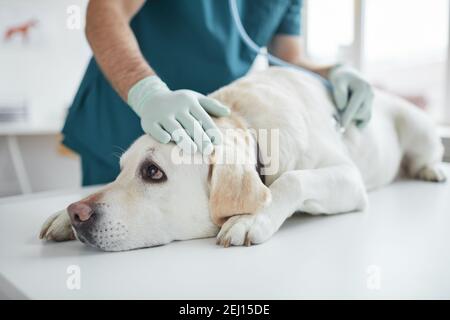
x,y
399,248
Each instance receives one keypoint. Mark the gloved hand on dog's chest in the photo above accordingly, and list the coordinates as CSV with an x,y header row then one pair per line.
x,y
181,116
353,96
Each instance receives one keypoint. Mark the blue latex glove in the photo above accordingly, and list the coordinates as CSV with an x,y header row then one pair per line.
x,y
180,116
353,96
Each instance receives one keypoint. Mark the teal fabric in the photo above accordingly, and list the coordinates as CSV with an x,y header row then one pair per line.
x,y
191,44
95,170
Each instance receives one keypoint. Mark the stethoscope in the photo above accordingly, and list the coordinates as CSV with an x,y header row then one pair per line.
x,y
272,59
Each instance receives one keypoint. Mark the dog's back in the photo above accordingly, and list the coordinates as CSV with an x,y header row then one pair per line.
x,y
296,107
302,109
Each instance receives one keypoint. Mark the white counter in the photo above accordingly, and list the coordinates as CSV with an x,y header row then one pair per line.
x,y
399,248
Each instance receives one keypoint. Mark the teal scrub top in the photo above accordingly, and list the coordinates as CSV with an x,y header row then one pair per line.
x,y
191,44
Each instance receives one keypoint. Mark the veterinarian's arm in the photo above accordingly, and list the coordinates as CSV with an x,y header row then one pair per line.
x,y
353,94
180,116
291,49
114,44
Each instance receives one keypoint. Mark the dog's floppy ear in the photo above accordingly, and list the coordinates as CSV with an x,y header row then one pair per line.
x,y
235,186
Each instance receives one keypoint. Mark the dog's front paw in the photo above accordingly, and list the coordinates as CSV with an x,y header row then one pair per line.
x,y
245,230
57,228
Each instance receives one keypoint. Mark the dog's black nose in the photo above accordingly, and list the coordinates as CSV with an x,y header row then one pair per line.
x,y
80,213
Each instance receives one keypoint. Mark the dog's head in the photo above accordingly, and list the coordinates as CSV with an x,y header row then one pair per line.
x,y
157,198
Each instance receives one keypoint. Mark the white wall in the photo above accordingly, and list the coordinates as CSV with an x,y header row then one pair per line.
x,y
46,168
44,73
46,70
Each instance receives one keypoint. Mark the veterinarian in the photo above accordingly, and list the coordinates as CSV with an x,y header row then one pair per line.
x,y
146,51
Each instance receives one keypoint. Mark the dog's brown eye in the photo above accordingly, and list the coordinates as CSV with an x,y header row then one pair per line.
x,y
151,173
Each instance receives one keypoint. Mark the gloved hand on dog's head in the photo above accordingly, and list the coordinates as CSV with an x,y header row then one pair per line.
x,y
180,116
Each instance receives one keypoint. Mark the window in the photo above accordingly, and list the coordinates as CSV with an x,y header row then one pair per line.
x,y
329,25
401,46
406,49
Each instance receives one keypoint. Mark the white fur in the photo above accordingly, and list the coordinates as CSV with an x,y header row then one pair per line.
x,y
320,171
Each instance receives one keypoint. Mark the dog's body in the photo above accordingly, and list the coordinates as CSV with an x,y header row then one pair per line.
x,y
318,169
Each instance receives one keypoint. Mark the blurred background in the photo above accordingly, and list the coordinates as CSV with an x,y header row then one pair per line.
x,y
401,45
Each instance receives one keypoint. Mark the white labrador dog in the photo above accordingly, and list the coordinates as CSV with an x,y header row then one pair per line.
x,y
315,169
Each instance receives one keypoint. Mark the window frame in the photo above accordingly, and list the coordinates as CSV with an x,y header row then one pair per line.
x,y
358,48
446,110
